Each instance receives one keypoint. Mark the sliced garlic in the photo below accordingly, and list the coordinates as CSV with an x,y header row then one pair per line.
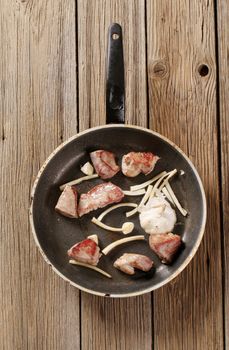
x,y
166,193
146,183
156,186
166,180
134,193
144,199
175,200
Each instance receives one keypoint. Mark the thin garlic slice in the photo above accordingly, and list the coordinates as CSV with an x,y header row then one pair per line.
x,y
166,193
175,200
95,268
113,245
156,186
79,180
134,193
166,180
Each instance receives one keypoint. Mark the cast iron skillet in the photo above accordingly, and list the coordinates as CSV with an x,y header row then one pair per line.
x,y
55,234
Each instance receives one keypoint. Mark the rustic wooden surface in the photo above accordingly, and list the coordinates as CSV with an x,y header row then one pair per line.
x,y
187,101
223,125
38,111
52,69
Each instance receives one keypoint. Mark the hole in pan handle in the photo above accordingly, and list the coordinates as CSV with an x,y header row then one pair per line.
x,y
115,89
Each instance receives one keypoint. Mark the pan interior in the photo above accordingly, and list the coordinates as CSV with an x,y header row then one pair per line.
x,y
56,234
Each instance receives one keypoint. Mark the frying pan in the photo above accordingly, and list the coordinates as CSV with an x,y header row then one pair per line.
x,y
55,234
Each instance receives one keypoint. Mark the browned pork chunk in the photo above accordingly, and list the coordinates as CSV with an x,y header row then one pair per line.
x,y
165,245
99,196
134,163
128,262
86,251
104,163
67,202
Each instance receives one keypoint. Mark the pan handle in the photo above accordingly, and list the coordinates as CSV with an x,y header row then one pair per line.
x,y
115,91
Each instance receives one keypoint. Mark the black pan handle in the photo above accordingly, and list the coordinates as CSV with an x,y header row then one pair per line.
x,y
115,91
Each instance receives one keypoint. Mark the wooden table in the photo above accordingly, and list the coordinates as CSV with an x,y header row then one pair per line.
x,y
52,69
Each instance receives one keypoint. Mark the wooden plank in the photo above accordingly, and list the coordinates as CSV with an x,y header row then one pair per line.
x,y
106,323
180,38
116,323
223,49
38,110
94,19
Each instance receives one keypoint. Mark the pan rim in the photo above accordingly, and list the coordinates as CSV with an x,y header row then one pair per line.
x,y
149,289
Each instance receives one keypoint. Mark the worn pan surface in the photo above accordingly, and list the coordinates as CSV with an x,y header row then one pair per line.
x,y
55,234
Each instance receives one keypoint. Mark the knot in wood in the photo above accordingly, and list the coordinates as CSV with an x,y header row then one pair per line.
x,y
203,70
159,70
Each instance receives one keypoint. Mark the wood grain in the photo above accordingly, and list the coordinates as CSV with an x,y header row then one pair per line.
x,y
165,44
126,323
94,19
38,110
181,38
223,49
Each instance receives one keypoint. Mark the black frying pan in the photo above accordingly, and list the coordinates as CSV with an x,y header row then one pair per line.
x,y
55,234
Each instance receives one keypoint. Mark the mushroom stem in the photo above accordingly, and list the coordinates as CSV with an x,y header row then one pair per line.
x,y
111,246
97,269
78,181
126,228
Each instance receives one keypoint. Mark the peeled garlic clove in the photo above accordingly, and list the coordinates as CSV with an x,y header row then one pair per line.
x,y
87,169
